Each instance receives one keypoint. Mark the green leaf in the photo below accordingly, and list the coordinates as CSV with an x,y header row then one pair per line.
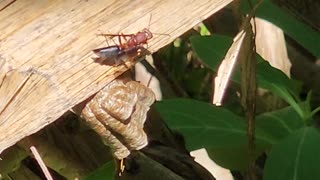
x,y
204,30
215,128
104,172
277,82
193,81
211,49
302,33
277,125
234,158
268,77
205,124
296,157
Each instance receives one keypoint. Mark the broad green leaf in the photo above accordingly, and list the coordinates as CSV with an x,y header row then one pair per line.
x,y
204,124
215,128
104,172
279,124
296,157
234,158
211,49
277,82
302,33
268,77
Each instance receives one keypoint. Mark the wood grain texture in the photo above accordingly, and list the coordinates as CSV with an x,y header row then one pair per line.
x,y
45,52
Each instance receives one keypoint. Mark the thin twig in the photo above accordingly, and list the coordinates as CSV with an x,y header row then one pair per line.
x,y
41,163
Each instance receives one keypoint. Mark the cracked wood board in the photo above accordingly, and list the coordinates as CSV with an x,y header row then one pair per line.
x,y
46,48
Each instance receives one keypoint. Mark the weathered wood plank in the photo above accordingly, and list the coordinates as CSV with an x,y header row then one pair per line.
x,y
45,52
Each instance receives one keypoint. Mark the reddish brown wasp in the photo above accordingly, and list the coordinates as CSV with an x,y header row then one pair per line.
x,y
132,40
130,48
125,50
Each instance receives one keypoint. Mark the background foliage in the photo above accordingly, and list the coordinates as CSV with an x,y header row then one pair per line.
x,y
287,139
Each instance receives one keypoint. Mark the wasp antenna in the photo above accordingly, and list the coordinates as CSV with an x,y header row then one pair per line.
x,y
101,34
149,20
161,34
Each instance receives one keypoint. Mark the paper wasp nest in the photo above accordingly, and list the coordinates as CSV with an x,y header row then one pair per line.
x,y
117,113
